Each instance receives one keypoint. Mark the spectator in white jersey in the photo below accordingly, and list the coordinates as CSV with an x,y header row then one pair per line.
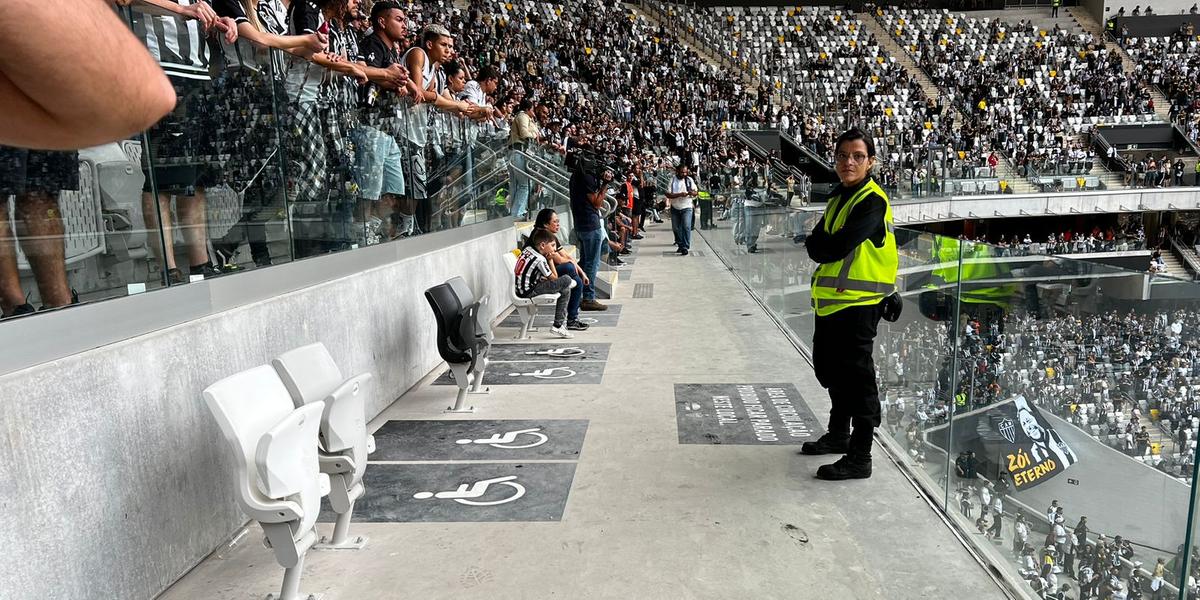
x,y
537,275
424,63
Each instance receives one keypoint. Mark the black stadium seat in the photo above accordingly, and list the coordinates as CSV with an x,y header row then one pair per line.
x,y
459,342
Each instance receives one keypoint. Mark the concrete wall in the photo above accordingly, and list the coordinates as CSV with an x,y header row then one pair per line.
x,y
115,480
1040,205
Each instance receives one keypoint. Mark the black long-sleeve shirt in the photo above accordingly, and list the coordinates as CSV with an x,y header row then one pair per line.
x,y
864,223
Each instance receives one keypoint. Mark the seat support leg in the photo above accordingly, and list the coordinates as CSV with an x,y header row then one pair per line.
x,y
462,377
530,313
290,590
341,539
477,378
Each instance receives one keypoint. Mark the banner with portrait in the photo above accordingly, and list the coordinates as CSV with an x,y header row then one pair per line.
x,y
1009,437
1035,450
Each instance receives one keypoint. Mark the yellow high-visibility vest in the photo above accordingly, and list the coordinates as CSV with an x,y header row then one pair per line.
x,y
868,274
976,264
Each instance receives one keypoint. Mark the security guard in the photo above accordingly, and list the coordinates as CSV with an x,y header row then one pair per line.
x,y
1054,4
852,288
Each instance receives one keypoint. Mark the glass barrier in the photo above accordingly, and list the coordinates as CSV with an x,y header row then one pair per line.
x,y
1050,406
266,159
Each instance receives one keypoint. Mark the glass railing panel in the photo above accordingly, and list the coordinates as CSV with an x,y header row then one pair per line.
x,y
73,227
1023,384
216,164
1049,424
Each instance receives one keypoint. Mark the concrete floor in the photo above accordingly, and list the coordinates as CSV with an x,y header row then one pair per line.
x,y
648,517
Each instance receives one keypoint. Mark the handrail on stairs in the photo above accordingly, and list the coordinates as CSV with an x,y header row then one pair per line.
x,y
1192,264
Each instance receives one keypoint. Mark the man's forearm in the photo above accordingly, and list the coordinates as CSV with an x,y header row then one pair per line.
x,y
53,100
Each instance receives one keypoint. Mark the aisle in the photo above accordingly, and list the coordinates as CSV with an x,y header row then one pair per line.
x,y
626,491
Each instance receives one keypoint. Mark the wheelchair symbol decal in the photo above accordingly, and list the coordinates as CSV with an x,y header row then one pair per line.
x,y
554,373
558,352
466,493
505,440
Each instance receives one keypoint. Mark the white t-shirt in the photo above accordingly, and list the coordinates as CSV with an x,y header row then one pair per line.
x,y
682,185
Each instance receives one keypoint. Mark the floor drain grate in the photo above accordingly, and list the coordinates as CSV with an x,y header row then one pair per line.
x,y
643,290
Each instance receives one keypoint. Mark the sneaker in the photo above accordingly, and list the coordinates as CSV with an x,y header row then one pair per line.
x,y
625,252
684,252
20,311
637,237
577,325
846,467
830,443
680,251
753,249
592,305
208,270
175,276
408,225
561,332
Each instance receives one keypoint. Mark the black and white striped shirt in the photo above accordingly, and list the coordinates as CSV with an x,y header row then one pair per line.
x,y
531,269
273,17
304,77
179,45
241,54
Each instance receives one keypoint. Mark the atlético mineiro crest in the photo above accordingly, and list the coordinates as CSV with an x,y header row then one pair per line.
x,y
1008,429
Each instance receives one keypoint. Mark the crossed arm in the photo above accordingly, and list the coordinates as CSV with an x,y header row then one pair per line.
x,y
78,78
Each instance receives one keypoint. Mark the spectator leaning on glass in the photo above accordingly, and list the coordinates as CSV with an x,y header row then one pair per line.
x,y
524,131
852,288
424,63
379,159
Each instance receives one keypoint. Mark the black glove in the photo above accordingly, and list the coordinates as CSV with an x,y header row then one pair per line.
x,y
892,307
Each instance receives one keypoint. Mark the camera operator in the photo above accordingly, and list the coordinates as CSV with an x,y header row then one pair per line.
x,y
589,181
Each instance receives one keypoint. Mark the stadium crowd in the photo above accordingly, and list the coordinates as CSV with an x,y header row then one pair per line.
x,y
1122,377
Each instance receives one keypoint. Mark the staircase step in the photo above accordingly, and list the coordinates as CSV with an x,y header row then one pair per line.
x,y
709,54
1162,106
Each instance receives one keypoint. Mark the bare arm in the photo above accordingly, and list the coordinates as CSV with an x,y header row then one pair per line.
x,y
51,99
337,64
416,73
199,11
301,45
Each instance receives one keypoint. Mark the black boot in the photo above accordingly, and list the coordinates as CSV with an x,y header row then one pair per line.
x,y
836,441
830,443
850,466
856,464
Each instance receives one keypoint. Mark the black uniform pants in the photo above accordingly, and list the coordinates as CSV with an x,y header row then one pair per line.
x,y
842,346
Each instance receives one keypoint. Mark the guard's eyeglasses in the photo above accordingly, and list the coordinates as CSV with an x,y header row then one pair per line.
x,y
856,158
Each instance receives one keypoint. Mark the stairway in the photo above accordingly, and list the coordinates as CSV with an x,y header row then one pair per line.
x,y
1176,266
1020,185
1162,106
1112,180
892,48
889,45
696,45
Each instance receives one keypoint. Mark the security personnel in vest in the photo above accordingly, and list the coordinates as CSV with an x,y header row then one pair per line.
x,y
853,287
1054,4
